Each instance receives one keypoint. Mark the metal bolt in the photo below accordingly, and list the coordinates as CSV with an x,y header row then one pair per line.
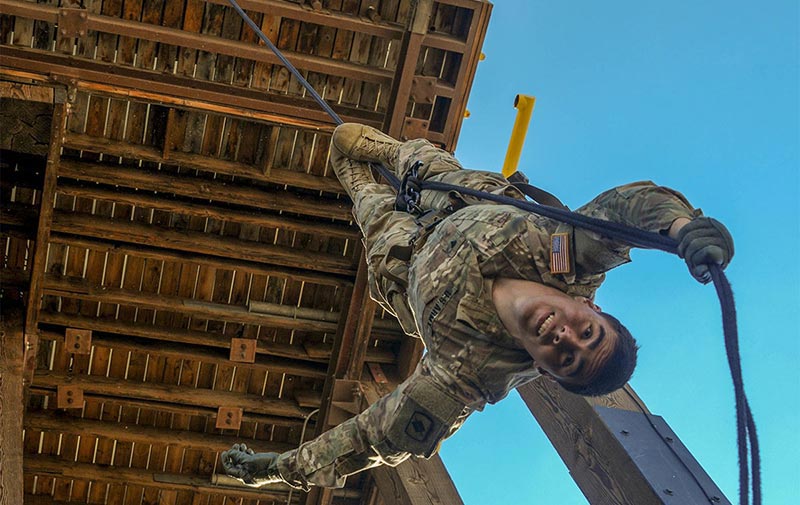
x,y
669,439
227,421
69,400
715,499
77,345
230,415
668,491
69,393
625,432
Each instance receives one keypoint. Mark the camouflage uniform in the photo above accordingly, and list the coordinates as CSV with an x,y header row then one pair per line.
x,y
443,295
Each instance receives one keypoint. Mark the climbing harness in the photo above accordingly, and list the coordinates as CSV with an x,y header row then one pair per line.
x,y
408,199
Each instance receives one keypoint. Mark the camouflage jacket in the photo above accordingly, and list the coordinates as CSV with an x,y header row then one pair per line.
x,y
451,276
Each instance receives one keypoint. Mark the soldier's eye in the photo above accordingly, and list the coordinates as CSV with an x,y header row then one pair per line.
x,y
588,333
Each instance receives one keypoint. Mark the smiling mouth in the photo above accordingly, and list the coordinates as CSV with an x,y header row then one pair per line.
x,y
546,325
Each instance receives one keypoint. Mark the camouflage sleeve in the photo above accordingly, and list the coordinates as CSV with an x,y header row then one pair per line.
x,y
642,205
364,441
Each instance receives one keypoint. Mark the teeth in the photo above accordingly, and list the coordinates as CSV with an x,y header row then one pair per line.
x,y
545,325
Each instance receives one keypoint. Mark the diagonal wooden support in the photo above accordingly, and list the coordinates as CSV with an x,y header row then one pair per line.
x,y
11,407
608,464
58,129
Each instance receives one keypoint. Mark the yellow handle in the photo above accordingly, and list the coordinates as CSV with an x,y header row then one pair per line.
x,y
524,105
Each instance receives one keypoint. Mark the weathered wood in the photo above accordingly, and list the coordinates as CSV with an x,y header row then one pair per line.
x,y
141,199
70,470
601,467
58,127
177,37
171,393
213,356
137,252
62,423
11,406
206,189
121,231
150,86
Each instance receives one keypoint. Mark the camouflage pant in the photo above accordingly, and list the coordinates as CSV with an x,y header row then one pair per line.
x,y
361,442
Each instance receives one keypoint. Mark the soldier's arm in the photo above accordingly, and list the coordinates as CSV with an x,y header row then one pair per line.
x,y
643,205
658,209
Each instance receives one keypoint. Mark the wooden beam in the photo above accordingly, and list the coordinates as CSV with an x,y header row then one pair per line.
x,y
601,467
198,242
206,189
147,252
173,408
52,168
171,393
58,422
347,359
264,219
123,149
333,19
260,313
167,89
11,405
56,467
321,352
217,356
205,42
466,73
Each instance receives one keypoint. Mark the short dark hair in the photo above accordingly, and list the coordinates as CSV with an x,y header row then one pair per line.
x,y
617,369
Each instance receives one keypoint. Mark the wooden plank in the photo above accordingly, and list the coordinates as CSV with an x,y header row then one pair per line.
x,y
11,405
597,462
171,393
181,91
205,188
152,154
138,252
58,127
157,480
195,242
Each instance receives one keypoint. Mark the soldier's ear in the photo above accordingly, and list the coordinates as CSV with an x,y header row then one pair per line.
x,y
589,303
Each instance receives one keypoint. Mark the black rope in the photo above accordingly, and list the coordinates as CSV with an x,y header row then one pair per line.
x,y
745,425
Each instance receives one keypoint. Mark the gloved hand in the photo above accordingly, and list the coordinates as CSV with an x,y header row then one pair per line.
x,y
704,241
254,469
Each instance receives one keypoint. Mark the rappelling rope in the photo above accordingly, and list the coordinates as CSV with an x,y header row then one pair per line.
x,y
745,426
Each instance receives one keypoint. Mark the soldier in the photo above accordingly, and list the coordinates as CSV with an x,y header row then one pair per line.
x,y
498,295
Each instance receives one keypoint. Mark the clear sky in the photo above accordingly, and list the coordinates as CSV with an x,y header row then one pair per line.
x,y
699,96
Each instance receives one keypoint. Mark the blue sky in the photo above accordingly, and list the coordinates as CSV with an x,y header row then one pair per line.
x,y
699,96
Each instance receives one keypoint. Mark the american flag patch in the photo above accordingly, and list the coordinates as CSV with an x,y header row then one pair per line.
x,y
559,253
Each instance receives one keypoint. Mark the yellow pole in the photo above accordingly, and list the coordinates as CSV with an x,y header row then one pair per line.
x,y
524,105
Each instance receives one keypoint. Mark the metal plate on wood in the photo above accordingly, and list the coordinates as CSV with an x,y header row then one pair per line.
x,y
78,341
423,89
69,397
243,350
377,373
670,469
229,418
415,128
347,400
73,22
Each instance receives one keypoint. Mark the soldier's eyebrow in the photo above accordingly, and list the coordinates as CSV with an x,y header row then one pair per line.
x,y
600,336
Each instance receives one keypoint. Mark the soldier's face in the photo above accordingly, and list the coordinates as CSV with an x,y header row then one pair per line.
x,y
567,337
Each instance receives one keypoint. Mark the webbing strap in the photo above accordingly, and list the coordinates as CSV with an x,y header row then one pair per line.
x,y
746,429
